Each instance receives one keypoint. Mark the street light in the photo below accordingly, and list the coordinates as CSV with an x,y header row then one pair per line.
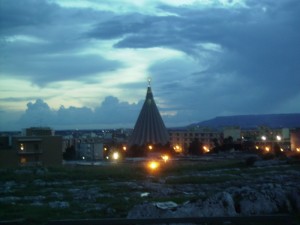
x,y
278,138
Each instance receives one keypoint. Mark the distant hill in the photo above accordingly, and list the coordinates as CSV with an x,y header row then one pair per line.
x,y
252,121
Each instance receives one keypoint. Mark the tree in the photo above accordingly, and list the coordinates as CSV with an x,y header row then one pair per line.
x,y
195,147
70,153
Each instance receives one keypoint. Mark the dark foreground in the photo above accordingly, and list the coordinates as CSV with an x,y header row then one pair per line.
x,y
218,189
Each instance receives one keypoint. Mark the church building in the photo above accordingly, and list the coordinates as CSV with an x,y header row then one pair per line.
x,y
149,129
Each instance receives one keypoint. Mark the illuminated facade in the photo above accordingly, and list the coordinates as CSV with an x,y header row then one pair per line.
x,y
181,139
295,140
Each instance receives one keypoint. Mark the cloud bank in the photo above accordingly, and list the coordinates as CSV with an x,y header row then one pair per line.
x,y
92,59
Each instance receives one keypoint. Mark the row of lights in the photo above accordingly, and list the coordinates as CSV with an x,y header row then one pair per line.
x,y
278,138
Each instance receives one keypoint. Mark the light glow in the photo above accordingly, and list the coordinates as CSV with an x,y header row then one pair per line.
x,y
115,156
206,149
278,138
153,165
177,149
165,158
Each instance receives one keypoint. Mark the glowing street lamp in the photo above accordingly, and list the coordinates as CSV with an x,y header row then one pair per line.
x,y
263,138
206,149
165,158
116,155
150,147
278,138
153,165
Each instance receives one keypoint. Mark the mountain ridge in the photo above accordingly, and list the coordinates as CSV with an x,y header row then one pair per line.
x,y
291,120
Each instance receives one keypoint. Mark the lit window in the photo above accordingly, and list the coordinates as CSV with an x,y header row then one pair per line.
x,y
23,160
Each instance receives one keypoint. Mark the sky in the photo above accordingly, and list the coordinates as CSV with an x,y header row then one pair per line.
x,y
75,64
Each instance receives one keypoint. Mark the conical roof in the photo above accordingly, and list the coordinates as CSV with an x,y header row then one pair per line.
x,y
149,127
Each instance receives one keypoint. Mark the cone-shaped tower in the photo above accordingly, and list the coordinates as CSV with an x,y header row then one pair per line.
x,y
149,127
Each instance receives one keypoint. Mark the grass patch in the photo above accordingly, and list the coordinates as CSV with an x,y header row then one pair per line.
x,y
199,179
183,168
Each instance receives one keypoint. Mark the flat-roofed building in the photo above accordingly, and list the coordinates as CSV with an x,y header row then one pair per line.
x,y
43,150
182,138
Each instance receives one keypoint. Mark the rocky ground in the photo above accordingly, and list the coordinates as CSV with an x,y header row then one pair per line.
x,y
264,188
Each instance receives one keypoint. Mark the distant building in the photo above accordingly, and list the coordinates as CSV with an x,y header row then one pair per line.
x,y
90,151
181,139
149,128
38,131
233,132
295,139
35,148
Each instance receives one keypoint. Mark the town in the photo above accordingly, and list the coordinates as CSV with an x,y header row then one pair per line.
x,y
150,173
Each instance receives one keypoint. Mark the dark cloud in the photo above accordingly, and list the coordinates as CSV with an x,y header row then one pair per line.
x,y
42,70
37,114
18,99
257,69
120,25
111,111
67,116
17,14
238,60
43,43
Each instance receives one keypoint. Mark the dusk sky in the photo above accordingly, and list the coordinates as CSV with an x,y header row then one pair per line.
x,y
85,64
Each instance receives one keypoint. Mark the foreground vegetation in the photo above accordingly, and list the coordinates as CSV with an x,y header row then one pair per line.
x,y
105,191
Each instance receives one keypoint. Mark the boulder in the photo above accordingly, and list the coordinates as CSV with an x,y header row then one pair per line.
x,y
221,204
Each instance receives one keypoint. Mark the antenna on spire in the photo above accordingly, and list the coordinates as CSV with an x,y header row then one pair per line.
x,y
149,81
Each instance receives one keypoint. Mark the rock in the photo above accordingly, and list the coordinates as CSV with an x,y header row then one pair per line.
x,y
9,199
59,204
166,205
294,197
145,194
8,185
39,182
221,204
252,202
37,198
146,210
57,195
110,212
37,204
